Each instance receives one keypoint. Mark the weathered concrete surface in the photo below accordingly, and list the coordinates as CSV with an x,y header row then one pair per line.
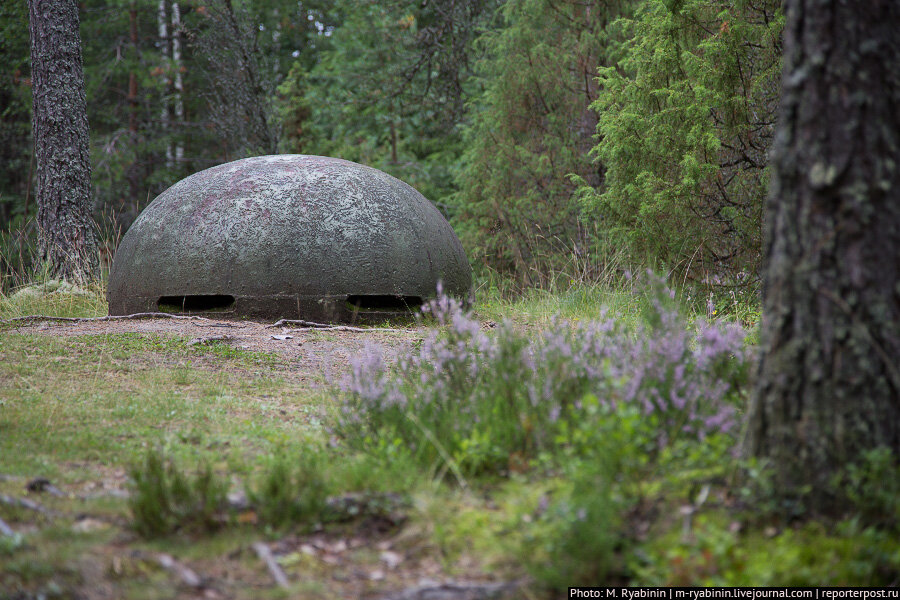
x,y
288,236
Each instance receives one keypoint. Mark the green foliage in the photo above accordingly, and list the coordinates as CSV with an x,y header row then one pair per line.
x,y
291,490
686,119
165,499
717,553
470,403
576,539
18,251
868,488
388,91
530,129
15,115
872,487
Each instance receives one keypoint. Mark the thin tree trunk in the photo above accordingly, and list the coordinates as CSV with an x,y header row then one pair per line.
x,y
132,76
829,380
162,24
68,243
133,171
179,81
393,140
256,108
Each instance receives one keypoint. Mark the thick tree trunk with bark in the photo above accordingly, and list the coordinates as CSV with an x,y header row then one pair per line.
x,y
829,379
68,241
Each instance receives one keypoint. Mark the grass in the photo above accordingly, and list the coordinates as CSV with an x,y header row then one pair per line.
x,y
537,306
92,412
54,298
133,391
83,411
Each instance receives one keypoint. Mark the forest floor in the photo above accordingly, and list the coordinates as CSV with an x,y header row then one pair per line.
x,y
86,406
234,390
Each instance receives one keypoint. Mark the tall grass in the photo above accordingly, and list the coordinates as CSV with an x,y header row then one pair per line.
x,y
45,296
27,287
18,249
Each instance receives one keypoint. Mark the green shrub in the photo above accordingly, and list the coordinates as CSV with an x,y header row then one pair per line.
x,y
471,403
872,487
529,129
291,490
578,538
717,553
166,499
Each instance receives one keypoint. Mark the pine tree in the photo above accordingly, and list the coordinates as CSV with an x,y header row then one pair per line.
x,y
829,384
68,241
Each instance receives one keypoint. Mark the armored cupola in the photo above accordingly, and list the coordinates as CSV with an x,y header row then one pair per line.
x,y
287,236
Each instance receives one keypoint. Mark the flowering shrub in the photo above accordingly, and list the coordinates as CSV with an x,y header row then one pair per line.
x,y
476,402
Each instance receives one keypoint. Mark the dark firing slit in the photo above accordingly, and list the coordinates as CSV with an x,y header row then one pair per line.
x,y
196,303
385,302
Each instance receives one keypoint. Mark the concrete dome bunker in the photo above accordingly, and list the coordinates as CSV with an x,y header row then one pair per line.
x,y
287,236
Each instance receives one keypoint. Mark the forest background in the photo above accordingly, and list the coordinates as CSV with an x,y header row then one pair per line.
x,y
559,137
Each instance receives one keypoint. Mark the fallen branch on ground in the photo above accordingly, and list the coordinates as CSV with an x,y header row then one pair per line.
x,y
146,315
265,555
187,575
114,493
202,341
308,325
25,503
6,529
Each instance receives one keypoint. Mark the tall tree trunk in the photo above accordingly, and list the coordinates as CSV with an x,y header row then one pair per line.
x,y
179,80
135,172
829,380
162,25
132,76
68,242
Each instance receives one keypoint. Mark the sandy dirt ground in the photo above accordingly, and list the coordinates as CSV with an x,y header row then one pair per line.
x,y
312,353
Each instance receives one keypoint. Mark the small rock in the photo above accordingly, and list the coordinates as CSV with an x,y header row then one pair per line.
x,y
42,484
391,559
307,549
88,524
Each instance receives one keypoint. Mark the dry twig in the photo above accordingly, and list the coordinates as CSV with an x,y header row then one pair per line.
x,y
26,503
6,529
187,575
146,315
309,325
265,555
202,341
